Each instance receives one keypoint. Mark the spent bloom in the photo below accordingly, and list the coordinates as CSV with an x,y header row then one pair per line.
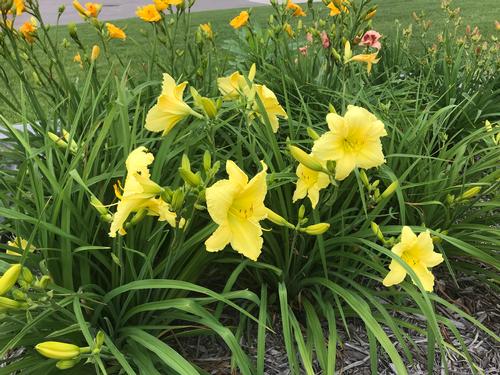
x,y
240,20
237,206
170,107
21,244
140,193
297,9
272,107
353,141
115,32
368,58
371,39
148,13
325,40
303,50
416,252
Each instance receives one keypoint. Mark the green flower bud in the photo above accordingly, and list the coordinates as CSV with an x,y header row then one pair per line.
x,y
207,160
27,275
190,178
390,190
471,193
9,278
376,230
7,303
67,364
316,229
312,134
305,159
277,219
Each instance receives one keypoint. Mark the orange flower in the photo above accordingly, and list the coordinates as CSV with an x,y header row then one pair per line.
x,y
19,5
28,30
148,13
342,5
115,32
93,9
333,9
297,10
161,5
240,20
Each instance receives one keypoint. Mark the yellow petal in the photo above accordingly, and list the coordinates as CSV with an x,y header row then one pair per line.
x,y
124,209
246,237
334,121
236,175
407,235
327,147
219,198
344,167
425,276
158,207
300,190
396,274
219,239
156,119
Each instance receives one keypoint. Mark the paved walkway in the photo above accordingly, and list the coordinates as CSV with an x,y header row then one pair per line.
x,y
119,9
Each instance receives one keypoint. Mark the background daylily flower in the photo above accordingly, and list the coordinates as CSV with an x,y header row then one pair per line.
x,y
352,142
161,5
271,106
418,253
240,20
237,206
140,193
20,7
115,32
333,9
148,13
233,86
369,59
170,108
297,9
310,183
21,244
28,30
371,39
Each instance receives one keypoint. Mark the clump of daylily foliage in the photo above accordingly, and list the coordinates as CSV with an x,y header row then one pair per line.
x,y
344,197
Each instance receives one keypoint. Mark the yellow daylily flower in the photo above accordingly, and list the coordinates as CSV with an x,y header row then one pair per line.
x,y
237,206
58,350
271,106
234,86
368,58
20,7
342,5
310,183
161,5
21,244
148,13
115,32
170,108
333,9
140,193
93,9
352,142
207,30
240,20
297,9
28,30
418,253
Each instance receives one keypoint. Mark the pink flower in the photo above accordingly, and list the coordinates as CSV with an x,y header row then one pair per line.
x,y
309,37
371,39
303,50
325,40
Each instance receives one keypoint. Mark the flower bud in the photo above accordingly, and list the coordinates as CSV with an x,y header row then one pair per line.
x,y
61,9
450,199
43,282
376,230
138,217
177,200
316,229
207,160
331,108
67,364
58,140
73,146
209,107
99,339
370,14
58,350
312,134
189,177
390,190
99,206
79,8
26,275
347,52
364,179
96,51
277,219
471,193
9,278
305,159
302,212
7,303
19,295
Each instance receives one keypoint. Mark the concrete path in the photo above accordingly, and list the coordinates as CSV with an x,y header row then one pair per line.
x,y
119,9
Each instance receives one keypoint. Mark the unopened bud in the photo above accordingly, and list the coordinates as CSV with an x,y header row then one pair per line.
x,y
471,193
26,275
312,134
370,15
390,190
316,229
67,364
302,212
364,179
192,179
177,200
277,219
376,230
43,282
9,278
305,159
7,303
58,140
96,51
207,160
331,108
98,205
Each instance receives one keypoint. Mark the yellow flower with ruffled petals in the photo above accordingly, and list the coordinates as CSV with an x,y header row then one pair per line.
x,y
240,20
368,58
140,193
297,9
352,142
271,106
234,86
148,13
21,244
237,206
28,30
416,252
115,32
310,183
170,108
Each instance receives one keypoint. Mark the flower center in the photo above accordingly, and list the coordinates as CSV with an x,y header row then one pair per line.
x,y
243,212
352,144
410,260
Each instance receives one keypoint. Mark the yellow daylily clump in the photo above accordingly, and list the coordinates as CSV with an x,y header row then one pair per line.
x,y
240,20
310,183
368,58
416,252
297,9
115,32
352,142
21,244
271,106
237,206
148,13
140,193
170,108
